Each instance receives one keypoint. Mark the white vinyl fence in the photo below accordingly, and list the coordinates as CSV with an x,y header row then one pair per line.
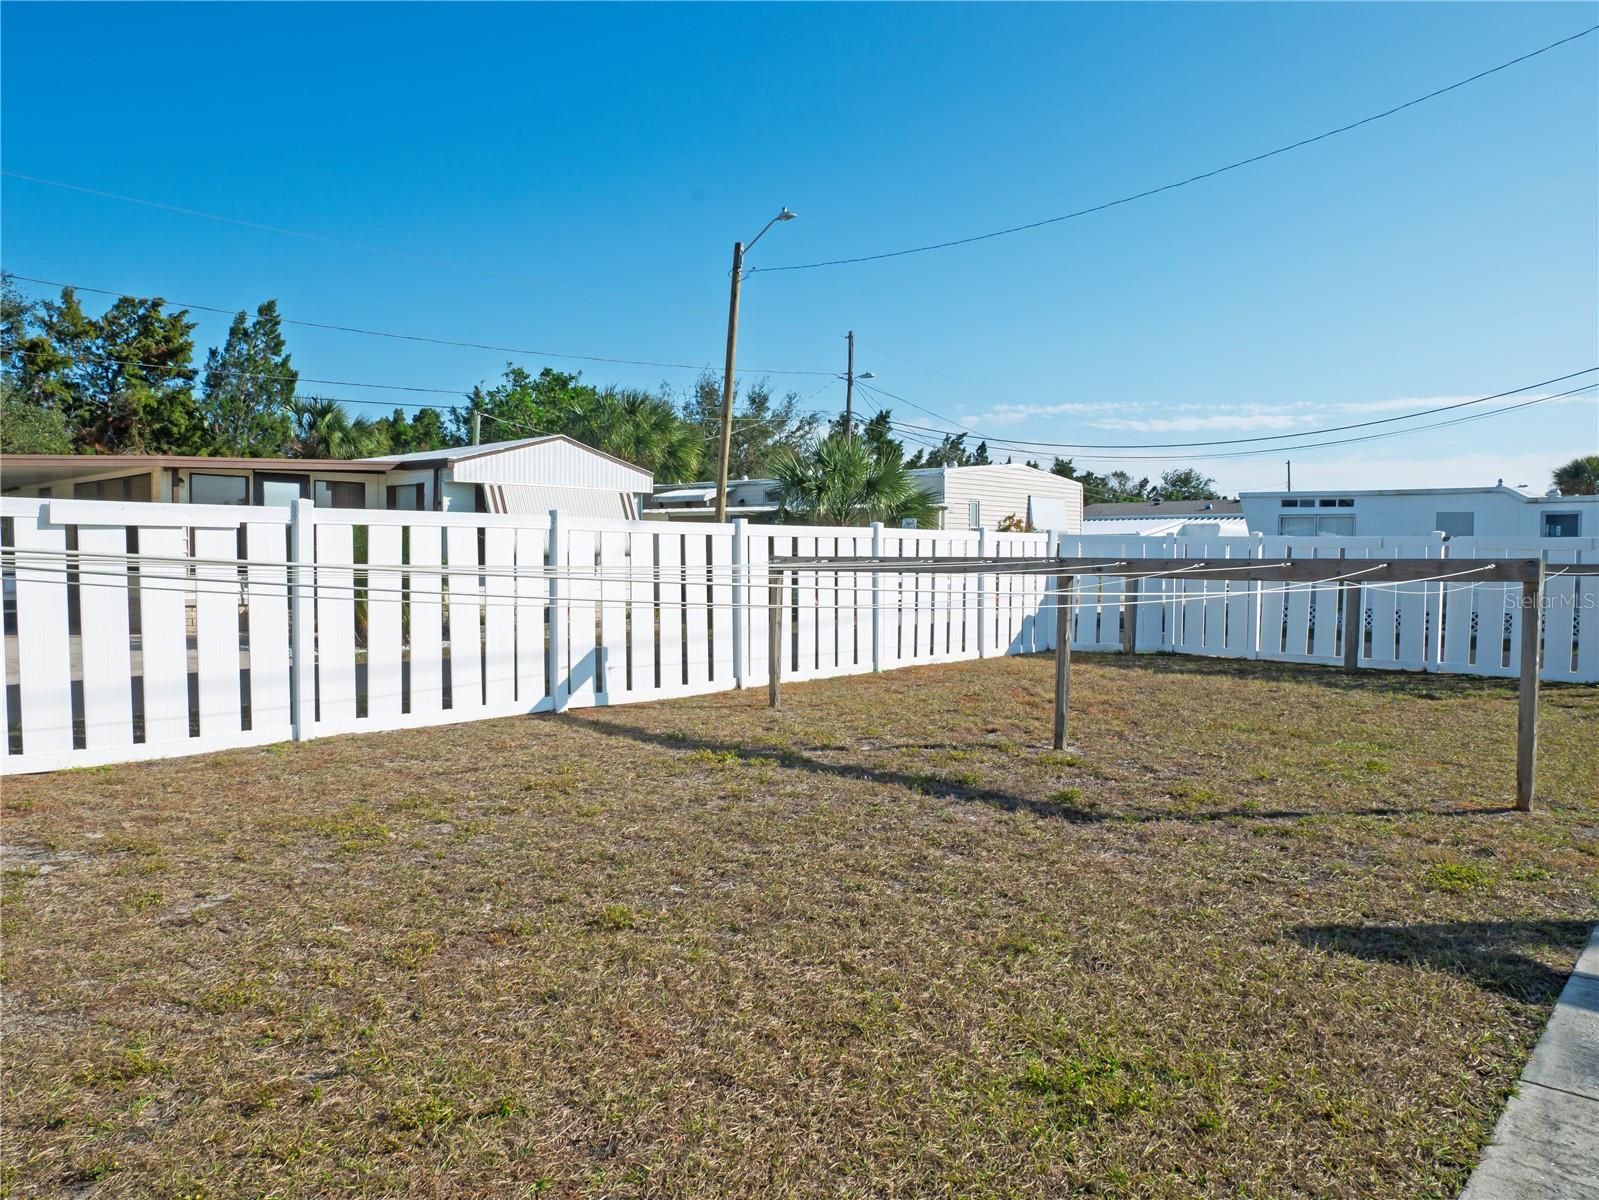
x,y
137,631
1447,625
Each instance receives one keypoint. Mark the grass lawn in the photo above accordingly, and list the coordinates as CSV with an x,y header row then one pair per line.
x,y
1265,932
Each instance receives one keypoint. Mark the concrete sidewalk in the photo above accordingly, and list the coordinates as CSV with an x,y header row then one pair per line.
x,y
1546,1145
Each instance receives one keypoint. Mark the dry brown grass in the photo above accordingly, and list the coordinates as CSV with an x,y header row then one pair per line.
x,y
1265,932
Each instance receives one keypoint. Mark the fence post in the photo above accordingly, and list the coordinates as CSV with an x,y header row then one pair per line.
x,y
982,597
741,616
560,681
877,598
302,616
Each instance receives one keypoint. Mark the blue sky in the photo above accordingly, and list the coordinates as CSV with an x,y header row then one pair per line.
x,y
572,179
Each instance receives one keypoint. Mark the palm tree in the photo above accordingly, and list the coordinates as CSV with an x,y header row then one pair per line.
x,y
322,429
1579,477
646,430
841,482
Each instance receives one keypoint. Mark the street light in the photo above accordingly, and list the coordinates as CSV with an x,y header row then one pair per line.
x,y
739,249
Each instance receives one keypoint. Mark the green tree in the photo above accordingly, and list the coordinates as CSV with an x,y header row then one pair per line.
x,y
422,430
520,405
645,430
1579,477
763,426
248,390
952,452
123,381
840,481
1185,483
322,429
635,425
31,422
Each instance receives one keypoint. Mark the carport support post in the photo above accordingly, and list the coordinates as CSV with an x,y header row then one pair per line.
x,y
1527,699
774,639
1063,654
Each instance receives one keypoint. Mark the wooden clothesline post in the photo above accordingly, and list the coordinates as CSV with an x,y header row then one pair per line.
x,y
1528,572
1527,698
1063,655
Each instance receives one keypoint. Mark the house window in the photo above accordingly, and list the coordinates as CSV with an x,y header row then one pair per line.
x,y
336,494
974,514
1561,524
280,491
218,489
1455,524
128,487
1314,526
405,497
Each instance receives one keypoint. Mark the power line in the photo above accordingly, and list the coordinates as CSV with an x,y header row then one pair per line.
x,y
194,212
1318,445
423,338
1167,187
1274,437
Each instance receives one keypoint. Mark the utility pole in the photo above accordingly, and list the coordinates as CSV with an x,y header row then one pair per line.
x,y
1290,474
727,384
477,427
849,389
727,376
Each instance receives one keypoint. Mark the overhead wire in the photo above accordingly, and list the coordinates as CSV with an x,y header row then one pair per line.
x,y
1181,183
423,338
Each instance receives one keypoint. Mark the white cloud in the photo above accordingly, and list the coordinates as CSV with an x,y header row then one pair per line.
x,y
1015,414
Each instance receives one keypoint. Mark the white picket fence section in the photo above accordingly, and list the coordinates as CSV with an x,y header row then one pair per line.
x,y
136,631
1451,625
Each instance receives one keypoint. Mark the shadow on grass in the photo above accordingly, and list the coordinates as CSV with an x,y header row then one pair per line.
x,y
1491,954
932,785
1411,685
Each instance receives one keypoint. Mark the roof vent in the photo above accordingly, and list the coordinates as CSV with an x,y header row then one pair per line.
x,y
1156,500
1553,493
1206,507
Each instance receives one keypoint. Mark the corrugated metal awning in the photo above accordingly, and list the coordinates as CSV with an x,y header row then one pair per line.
x,y
527,499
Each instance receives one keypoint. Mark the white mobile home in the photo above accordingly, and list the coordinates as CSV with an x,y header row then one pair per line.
x,y
967,498
1492,512
530,475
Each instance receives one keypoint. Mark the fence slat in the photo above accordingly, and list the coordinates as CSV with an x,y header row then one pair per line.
x,y
335,622
532,601
582,641
44,649
613,613
105,637
267,610
385,650
216,621
164,635
499,617
425,606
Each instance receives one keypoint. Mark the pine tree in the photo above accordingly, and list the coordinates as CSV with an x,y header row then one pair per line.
x,y
248,401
